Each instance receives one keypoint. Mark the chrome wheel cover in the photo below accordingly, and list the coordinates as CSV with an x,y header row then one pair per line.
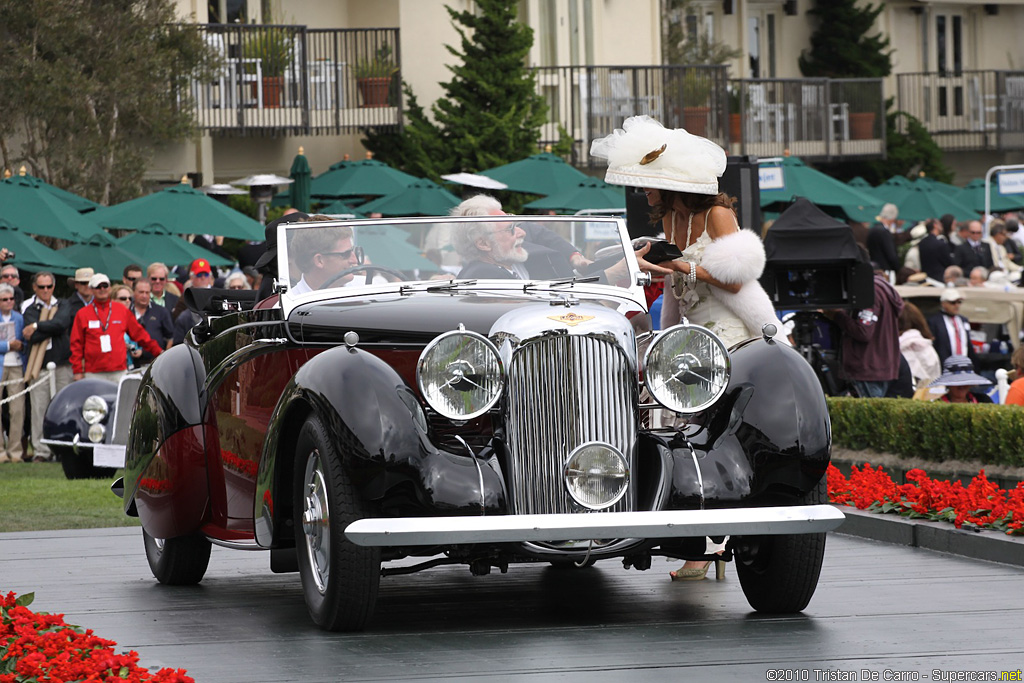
x,y
316,521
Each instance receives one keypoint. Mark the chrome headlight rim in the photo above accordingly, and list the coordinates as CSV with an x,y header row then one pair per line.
x,y
566,471
94,409
422,365
726,367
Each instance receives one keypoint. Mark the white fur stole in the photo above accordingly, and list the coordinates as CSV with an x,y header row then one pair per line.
x,y
736,258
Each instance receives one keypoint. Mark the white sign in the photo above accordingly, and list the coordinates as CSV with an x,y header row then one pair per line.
x,y
105,455
599,232
1011,183
771,178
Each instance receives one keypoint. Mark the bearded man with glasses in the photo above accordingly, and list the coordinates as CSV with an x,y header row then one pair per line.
x,y
47,324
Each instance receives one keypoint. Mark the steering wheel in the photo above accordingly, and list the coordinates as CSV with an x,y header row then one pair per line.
x,y
369,269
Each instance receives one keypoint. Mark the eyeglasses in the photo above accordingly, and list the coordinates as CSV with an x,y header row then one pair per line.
x,y
347,254
123,298
203,275
158,279
44,286
8,276
236,287
510,229
956,302
130,279
102,285
7,298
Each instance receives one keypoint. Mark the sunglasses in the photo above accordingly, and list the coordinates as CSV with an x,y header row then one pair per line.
x,y
131,279
7,298
44,286
8,276
236,287
956,302
346,254
158,279
102,285
204,274
123,298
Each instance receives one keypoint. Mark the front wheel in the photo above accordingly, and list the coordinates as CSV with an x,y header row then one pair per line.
x,y
339,579
779,574
180,561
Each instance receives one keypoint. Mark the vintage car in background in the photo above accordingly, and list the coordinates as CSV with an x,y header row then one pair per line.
x,y
81,426
398,410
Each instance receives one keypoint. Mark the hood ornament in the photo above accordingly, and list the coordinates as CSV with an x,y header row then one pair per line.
x,y
571,319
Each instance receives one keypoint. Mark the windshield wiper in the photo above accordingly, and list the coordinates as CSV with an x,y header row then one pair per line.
x,y
447,287
558,283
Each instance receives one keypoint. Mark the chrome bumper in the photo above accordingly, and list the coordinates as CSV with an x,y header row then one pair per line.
x,y
402,531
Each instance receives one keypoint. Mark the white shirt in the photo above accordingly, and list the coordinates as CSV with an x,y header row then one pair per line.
x,y
11,358
956,326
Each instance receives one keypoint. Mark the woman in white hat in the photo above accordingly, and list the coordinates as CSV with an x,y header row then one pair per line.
x,y
715,282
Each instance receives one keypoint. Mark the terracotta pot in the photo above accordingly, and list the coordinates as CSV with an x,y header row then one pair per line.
x,y
273,86
862,125
735,128
695,120
374,91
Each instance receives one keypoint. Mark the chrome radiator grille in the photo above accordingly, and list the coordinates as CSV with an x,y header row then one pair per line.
x,y
564,391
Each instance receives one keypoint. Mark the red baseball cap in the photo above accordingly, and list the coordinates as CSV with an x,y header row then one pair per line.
x,y
200,265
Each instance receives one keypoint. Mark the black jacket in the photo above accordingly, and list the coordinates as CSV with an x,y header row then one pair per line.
x,y
935,256
942,343
56,330
968,257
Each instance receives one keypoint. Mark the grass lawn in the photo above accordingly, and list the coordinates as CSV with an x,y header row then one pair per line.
x,y
35,496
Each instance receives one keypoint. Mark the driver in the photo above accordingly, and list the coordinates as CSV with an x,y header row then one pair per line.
x,y
322,255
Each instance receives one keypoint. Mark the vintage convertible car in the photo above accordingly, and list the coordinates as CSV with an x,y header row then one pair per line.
x,y
383,415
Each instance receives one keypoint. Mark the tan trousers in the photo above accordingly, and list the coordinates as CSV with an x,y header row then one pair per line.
x,y
12,450
39,401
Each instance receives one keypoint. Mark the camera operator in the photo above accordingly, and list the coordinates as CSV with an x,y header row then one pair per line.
x,y
871,340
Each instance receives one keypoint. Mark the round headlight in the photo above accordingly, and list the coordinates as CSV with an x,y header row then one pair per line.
x,y
596,475
460,375
94,409
686,369
96,433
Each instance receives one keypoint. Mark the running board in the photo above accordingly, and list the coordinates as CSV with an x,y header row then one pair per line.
x,y
769,521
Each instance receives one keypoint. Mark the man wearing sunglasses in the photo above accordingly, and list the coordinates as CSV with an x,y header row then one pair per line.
x,y
200,275
11,348
322,254
98,348
952,331
47,324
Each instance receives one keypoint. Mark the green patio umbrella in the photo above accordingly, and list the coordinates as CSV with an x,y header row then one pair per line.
x,y
79,204
301,174
377,240
340,207
833,196
543,174
892,190
155,245
109,259
421,198
28,206
859,183
973,195
359,178
592,193
920,203
179,210
30,254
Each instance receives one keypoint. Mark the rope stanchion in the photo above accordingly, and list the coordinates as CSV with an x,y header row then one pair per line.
x,y
43,379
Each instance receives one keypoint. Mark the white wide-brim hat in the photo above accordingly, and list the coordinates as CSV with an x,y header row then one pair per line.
x,y
958,371
643,153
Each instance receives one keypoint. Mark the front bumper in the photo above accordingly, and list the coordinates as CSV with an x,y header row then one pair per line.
x,y
766,521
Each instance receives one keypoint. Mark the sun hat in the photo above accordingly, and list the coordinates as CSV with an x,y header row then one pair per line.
x,y
83,275
889,212
918,233
951,294
958,371
98,279
643,153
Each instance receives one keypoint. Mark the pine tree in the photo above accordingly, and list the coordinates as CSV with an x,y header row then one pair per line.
x,y
490,113
841,46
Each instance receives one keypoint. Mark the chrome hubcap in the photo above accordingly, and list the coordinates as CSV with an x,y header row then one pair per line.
x,y
316,521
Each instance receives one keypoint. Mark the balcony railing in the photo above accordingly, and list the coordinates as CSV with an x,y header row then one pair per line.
x,y
967,110
296,80
817,119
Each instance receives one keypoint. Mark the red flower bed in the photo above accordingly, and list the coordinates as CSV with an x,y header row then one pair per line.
x,y
41,648
980,505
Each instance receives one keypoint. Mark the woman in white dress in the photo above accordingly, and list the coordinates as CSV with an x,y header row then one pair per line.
x,y
714,283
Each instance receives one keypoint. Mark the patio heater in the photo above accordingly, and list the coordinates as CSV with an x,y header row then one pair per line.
x,y
262,187
220,191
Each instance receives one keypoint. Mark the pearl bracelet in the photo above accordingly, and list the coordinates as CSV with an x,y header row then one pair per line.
x,y
693,273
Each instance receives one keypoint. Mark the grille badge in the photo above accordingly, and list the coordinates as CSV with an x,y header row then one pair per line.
x,y
571,319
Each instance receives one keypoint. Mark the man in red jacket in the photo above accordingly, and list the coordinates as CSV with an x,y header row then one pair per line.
x,y
98,347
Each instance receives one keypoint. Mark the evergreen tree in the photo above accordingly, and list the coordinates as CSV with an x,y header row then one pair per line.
x,y
490,113
841,46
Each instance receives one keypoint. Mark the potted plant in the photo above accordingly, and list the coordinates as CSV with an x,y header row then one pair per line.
x,y
274,48
373,77
739,104
695,89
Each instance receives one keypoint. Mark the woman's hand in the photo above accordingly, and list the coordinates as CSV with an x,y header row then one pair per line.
x,y
647,266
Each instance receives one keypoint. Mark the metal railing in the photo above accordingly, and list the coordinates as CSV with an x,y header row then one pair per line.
x,y
966,110
818,119
274,80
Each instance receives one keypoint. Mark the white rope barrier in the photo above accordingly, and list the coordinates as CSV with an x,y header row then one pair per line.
x,y
43,379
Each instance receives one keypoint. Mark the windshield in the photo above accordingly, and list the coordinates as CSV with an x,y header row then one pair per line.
x,y
550,251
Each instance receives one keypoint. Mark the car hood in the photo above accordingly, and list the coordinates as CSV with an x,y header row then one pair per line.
x,y
419,317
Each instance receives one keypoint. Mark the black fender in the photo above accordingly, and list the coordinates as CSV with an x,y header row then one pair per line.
x,y
382,434
767,441
171,400
63,420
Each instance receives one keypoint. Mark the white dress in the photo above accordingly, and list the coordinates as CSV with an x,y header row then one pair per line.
x,y
697,303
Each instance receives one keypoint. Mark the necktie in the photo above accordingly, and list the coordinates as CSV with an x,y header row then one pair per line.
x,y
956,329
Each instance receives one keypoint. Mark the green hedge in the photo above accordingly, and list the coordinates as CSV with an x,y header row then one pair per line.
x,y
992,434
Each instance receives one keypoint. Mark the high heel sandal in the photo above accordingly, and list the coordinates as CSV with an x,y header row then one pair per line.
x,y
698,573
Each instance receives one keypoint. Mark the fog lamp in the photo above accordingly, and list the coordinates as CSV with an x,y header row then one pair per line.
x,y
96,433
596,475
